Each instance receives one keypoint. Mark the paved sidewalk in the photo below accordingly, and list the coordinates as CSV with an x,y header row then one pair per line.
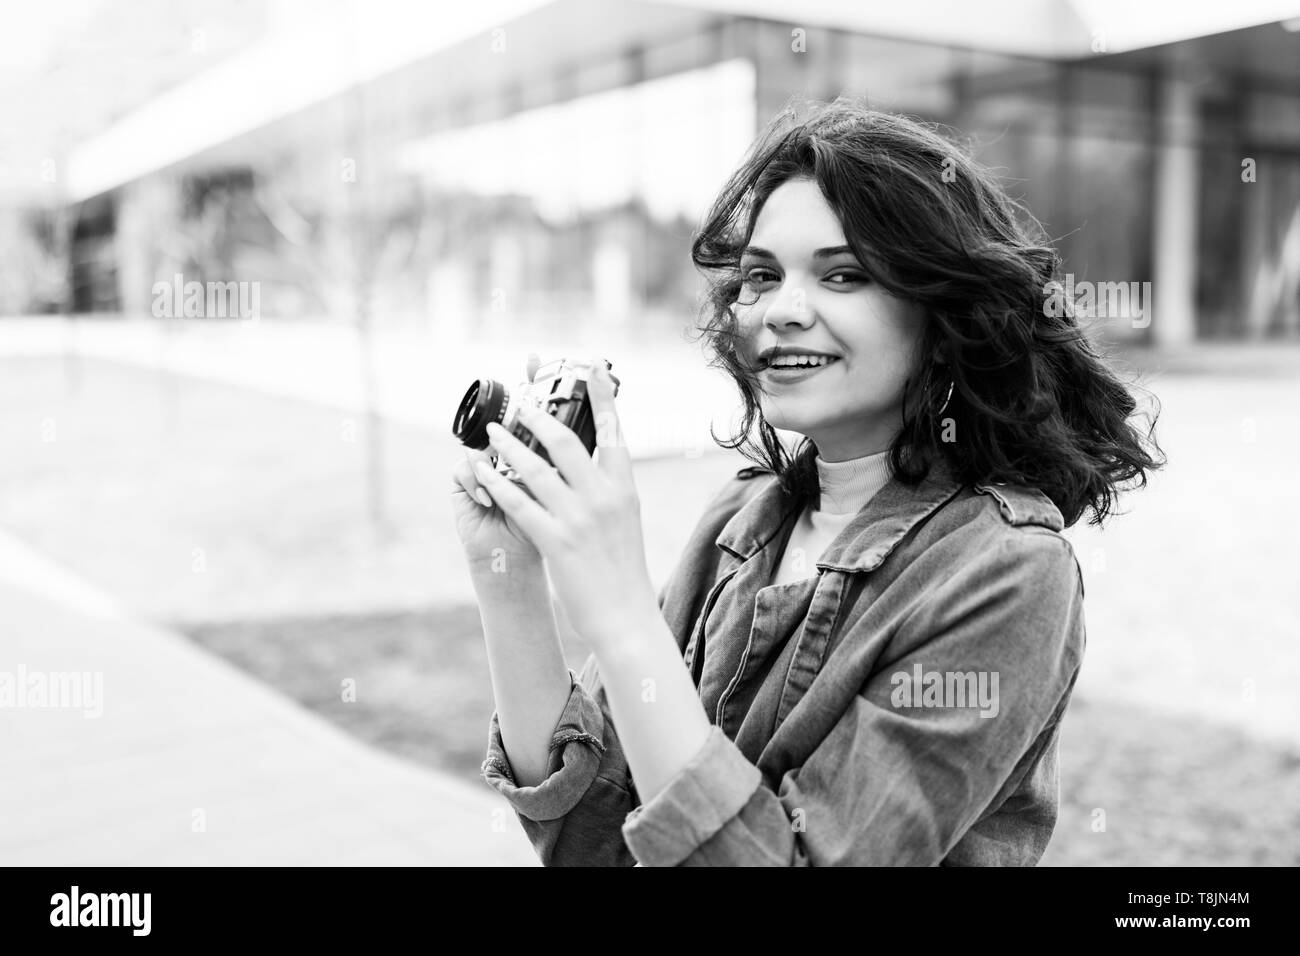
x,y
192,762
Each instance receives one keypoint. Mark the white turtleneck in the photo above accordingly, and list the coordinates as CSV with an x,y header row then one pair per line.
x,y
846,487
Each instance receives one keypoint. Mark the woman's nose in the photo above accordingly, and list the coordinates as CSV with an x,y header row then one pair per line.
x,y
789,307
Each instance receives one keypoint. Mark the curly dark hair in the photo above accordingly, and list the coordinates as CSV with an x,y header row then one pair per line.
x,y
1031,399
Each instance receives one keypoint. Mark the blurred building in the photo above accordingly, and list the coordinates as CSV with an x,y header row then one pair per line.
x,y
548,166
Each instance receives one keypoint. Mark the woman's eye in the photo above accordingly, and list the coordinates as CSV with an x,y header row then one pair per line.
x,y
759,276
846,278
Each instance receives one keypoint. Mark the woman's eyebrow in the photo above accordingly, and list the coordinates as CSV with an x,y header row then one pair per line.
x,y
755,252
830,251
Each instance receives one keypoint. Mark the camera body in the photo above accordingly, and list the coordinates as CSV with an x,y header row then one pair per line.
x,y
558,388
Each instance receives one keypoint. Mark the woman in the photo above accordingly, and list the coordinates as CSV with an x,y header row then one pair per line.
x,y
866,650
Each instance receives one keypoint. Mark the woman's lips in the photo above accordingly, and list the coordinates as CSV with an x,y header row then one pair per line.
x,y
794,373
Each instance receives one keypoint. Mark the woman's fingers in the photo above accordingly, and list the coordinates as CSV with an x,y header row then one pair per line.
x,y
542,480
539,526
613,455
463,475
563,447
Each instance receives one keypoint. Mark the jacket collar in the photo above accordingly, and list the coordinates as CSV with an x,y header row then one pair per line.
x,y
1021,504
867,540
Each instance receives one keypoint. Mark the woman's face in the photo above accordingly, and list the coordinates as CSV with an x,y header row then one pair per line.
x,y
804,292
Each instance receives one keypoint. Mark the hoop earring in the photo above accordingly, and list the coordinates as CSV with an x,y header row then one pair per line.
x,y
944,406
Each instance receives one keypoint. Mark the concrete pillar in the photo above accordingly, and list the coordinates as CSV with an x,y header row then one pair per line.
x,y
1177,193
1256,271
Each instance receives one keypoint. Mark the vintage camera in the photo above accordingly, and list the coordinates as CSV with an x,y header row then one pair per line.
x,y
558,388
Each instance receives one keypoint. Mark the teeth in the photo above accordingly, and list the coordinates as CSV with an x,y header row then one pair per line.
x,y
796,361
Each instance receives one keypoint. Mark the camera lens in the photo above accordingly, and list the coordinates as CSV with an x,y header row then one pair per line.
x,y
484,402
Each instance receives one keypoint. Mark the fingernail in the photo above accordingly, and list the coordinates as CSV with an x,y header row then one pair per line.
x,y
483,498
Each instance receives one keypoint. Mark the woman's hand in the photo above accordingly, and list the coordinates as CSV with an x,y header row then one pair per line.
x,y
586,519
488,535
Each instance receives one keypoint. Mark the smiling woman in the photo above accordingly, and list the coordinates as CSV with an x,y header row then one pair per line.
x,y
829,349
752,712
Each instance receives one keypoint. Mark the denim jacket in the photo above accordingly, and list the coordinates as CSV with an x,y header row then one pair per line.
x,y
833,741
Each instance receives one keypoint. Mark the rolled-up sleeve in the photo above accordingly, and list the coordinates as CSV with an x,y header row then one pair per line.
x,y
703,799
893,783
573,816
